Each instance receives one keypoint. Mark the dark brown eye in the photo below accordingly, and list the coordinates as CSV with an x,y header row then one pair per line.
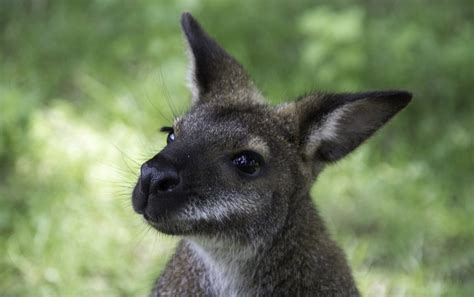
x,y
170,131
170,137
248,162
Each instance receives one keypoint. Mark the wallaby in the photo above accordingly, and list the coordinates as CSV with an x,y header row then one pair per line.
x,y
234,178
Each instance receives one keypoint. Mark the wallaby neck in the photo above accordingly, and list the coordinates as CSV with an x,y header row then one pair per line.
x,y
228,267
232,266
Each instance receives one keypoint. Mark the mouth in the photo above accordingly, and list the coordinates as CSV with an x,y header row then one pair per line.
x,y
158,207
163,212
170,215
154,217
167,224
147,217
149,220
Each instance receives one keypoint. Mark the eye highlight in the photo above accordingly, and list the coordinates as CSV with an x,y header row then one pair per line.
x,y
248,162
170,132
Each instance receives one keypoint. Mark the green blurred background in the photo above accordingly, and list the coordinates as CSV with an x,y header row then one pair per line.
x,y
85,86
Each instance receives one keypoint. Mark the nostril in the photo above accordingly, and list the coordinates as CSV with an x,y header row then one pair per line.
x,y
158,175
167,184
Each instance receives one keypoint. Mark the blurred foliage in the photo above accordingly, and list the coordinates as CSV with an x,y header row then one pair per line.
x,y
85,85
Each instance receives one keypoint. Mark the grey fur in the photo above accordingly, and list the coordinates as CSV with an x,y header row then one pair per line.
x,y
259,235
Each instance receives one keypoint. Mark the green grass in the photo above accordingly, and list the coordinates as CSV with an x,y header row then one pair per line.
x,y
77,234
85,86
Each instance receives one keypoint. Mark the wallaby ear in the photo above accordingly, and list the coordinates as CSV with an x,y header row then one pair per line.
x,y
331,126
213,73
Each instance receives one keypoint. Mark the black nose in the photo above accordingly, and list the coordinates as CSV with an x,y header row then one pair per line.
x,y
158,178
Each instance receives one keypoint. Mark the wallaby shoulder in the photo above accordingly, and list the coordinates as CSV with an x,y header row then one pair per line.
x,y
304,260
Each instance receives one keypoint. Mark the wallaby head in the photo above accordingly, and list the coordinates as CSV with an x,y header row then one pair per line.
x,y
234,164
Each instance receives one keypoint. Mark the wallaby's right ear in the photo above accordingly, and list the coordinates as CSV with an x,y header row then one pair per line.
x,y
331,126
214,74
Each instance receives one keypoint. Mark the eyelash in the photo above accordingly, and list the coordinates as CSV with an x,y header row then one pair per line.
x,y
167,129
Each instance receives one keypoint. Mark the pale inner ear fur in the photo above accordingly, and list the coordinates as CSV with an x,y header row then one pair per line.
x,y
326,129
190,76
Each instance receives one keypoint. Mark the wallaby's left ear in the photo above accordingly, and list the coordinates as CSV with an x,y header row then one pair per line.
x,y
331,126
214,74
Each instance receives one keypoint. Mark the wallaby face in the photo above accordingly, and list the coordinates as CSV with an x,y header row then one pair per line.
x,y
228,171
238,170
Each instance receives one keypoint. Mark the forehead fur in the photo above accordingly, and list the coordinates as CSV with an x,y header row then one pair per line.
x,y
254,124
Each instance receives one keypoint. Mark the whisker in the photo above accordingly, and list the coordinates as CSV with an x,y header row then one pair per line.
x,y
156,108
166,95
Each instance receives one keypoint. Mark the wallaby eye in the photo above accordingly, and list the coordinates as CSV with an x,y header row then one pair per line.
x,y
170,137
248,162
170,131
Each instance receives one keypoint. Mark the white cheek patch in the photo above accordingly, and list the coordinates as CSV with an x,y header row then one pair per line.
x,y
222,207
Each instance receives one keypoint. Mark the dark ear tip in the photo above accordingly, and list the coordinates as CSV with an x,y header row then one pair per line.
x,y
400,98
186,18
404,97
188,23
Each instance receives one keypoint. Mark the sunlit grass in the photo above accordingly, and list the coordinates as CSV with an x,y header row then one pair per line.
x,y
382,212
80,235
85,87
